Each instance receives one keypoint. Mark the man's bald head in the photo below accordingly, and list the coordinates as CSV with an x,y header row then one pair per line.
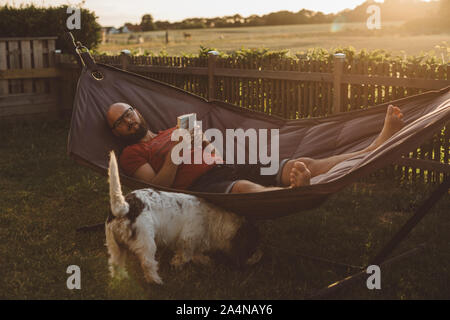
x,y
115,111
126,123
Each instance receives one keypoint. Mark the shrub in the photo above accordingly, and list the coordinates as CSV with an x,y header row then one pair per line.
x,y
32,21
431,60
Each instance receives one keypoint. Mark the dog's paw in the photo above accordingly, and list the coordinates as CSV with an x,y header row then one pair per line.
x,y
118,273
202,259
177,261
152,278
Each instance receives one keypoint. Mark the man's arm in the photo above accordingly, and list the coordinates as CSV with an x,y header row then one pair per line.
x,y
164,177
205,141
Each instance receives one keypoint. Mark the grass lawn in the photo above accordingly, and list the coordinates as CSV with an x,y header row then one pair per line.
x,y
45,196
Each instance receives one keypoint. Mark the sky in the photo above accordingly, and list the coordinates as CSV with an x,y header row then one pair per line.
x,y
117,12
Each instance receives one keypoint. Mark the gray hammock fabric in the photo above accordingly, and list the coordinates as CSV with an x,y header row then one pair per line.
x,y
90,139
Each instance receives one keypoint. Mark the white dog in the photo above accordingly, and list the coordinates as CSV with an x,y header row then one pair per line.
x,y
192,227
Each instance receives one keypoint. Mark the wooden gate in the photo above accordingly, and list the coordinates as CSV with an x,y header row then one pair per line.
x,y
28,77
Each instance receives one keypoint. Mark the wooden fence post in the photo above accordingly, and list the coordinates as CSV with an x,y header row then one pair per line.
x,y
125,59
58,57
338,61
448,71
212,57
57,85
4,84
14,63
38,57
26,64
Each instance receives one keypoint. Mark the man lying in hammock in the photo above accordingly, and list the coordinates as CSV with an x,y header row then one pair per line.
x,y
147,157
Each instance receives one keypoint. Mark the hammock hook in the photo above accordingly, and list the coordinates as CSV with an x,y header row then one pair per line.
x,y
86,58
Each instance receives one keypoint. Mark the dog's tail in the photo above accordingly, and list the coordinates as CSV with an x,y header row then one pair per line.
x,y
119,207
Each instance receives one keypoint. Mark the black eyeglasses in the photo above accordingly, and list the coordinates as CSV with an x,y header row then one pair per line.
x,y
126,115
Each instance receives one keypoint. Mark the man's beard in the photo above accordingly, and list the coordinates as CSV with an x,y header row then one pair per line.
x,y
138,135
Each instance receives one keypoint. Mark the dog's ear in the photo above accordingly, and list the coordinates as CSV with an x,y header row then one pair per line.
x,y
245,245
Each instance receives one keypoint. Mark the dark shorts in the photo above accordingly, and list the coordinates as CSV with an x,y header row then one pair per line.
x,y
222,177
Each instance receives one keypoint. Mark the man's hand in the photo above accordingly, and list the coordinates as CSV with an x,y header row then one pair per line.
x,y
168,160
166,175
196,133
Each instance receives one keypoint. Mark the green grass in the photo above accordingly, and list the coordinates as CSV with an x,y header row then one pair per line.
x,y
45,196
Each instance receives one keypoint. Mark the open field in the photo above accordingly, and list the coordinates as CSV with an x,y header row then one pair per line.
x,y
45,196
296,38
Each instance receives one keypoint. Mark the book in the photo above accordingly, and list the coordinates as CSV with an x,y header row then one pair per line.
x,y
187,121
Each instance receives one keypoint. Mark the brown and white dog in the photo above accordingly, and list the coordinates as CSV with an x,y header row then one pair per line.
x,y
145,219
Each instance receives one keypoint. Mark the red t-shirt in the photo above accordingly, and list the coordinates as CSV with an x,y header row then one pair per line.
x,y
154,152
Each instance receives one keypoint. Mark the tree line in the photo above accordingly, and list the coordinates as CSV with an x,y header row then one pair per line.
x,y
391,10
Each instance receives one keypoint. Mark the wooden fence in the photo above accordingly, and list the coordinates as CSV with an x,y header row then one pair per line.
x,y
286,87
302,88
28,75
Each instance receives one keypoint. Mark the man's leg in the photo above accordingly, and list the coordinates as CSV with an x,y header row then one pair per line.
x,y
299,176
392,123
246,186
298,172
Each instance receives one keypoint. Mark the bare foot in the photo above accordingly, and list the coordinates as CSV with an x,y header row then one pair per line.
x,y
393,122
299,175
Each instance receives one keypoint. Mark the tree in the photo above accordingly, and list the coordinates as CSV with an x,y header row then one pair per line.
x,y
282,18
133,27
445,8
32,21
445,13
147,23
163,25
255,20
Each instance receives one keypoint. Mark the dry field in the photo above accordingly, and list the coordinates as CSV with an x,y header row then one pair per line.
x,y
296,38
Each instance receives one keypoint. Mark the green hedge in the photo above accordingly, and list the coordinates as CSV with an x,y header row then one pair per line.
x,y
437,58
32,21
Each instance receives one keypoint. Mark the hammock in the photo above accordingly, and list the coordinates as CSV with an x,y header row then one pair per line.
x,y
90,138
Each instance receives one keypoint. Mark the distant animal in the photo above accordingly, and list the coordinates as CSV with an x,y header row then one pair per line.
x,y
187,35
147,218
